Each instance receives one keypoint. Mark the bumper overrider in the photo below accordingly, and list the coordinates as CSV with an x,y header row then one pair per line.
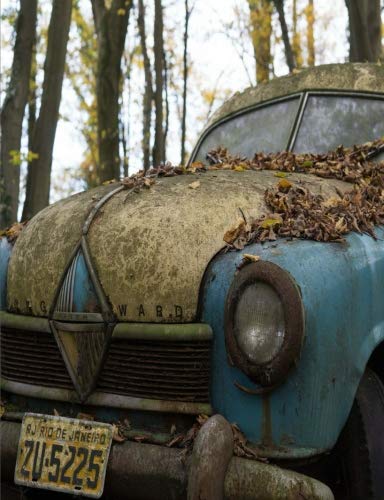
x,y
138,470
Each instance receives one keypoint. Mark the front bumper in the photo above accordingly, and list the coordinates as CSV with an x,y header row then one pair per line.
x,y
146,471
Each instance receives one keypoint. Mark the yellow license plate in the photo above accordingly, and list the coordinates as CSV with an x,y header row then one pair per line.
x,y
63,454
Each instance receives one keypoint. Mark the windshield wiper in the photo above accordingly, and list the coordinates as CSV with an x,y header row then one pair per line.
x,y
375,152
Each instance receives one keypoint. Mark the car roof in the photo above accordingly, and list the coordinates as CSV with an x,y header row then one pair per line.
x,y
358,77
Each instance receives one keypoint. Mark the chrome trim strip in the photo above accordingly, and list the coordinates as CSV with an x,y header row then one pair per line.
x,y
17,321
65,299
108,400
163,332
297,122
78,327
62,278
96,208
77,316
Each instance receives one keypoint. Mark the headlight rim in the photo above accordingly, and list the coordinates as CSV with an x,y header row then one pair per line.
x,y
274,371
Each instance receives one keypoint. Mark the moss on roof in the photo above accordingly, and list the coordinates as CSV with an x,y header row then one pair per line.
x,y
367,77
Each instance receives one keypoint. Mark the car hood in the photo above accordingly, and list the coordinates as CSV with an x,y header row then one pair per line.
x,y
149,249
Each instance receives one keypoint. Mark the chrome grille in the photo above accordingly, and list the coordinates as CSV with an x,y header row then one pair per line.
x,y
176,371
32,358
173,371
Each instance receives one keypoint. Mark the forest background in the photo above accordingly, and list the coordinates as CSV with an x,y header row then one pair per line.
x,y
93,90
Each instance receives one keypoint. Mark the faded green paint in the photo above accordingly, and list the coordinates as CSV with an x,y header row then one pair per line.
x,y
173,333
362,77
105,399
151,249
42,251
24,322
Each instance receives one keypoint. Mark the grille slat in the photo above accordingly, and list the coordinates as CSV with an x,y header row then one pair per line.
x,y
174,371
32,358
158,370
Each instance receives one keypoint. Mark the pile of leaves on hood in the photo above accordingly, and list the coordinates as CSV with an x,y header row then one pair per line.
x,y
294,211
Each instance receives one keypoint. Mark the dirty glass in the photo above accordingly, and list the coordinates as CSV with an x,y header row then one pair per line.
x,y
379,158
265,129
329,121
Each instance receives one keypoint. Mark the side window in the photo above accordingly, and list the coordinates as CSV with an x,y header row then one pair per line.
x,y
265,129
329,121
379,158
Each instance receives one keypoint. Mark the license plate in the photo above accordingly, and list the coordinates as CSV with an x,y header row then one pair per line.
x,y
63,454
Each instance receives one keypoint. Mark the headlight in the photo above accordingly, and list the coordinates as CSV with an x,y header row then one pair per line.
x,y
264,322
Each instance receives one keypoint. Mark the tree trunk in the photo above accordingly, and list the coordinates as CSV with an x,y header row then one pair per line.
x,y
166,101
148,90
159,145
39,173
296,42
364,30
261,30
185,78
279,5
310,15
32,102
13,109
111,27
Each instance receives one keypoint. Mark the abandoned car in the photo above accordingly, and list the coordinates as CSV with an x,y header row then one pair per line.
x,y
148,351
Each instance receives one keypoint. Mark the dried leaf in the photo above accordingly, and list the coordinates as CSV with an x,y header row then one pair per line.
x,y
116,436
270,223
284,185
251,258
239,168
13,232
281,174
194,185
85,416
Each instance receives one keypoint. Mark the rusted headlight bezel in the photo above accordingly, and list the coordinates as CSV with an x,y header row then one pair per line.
x,y
273,372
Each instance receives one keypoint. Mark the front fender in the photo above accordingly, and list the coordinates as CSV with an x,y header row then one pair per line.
x,y
342,286
5,253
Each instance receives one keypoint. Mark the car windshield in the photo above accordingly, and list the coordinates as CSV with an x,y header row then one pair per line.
x,y
265,129
329,121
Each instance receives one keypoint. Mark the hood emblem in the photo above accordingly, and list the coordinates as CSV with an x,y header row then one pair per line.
x,y
78,323
83,347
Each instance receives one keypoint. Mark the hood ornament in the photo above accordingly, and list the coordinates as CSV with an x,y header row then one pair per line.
x,y
79,321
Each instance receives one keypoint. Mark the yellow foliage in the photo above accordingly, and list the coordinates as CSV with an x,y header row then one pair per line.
x,y
261,31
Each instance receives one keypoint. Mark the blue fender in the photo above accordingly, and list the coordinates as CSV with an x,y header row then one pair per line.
x,y
342,286
5,253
